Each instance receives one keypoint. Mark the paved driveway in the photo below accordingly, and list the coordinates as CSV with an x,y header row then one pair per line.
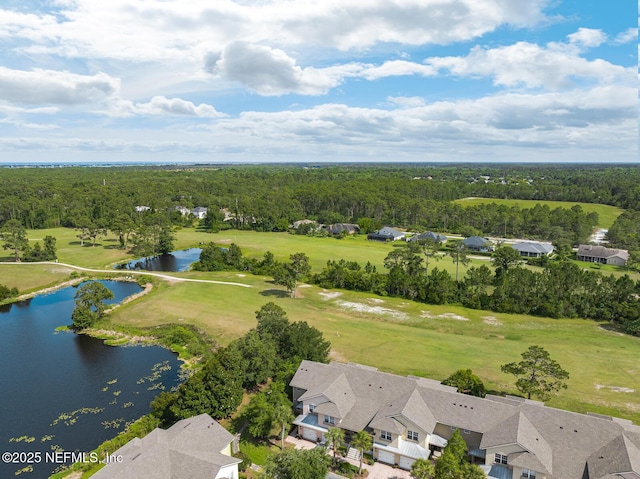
x,y
377,471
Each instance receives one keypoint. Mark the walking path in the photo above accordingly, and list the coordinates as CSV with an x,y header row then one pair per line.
x,y
147,273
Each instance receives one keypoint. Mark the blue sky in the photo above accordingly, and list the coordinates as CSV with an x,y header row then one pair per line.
x,y
332,80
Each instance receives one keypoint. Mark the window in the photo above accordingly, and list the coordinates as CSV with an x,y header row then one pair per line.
x,y
386,435
329,420
501,458
528,474
311,407
466,431
412,436
453,428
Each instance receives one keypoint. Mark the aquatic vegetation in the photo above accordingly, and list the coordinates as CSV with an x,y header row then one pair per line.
x,y
127,404
70,418
56,448
115,424
48,437
26,439
24,469
113,381
156,372
104,389
155,386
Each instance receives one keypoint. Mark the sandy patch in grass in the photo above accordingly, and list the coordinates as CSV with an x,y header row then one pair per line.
x,y
375,300
457,317
240,275
304,286
326,295
491,320
365,308
615,389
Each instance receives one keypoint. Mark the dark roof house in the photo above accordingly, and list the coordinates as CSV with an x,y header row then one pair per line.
x,y
338,228
194,448
478,243
386,234
412,417
429,236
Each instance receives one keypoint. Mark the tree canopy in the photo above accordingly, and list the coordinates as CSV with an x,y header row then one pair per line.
x,y
298,464
90,305
537,374
466,383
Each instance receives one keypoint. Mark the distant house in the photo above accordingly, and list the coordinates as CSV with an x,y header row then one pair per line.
x,y
142,209
533,249
338,228
183,210
299,223
386,234
429,236
194,448
478,243
199,212
600,254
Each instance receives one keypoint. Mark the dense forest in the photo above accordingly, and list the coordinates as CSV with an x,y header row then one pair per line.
x,y
270,198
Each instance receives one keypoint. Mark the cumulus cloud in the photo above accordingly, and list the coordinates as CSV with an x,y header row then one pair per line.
x,y
160,105
527,64
40,86
270,71
397,68
587,37
628,36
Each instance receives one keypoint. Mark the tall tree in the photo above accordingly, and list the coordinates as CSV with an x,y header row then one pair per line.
x,y
538,374
14,236
422,469
504,258
459,255
289,274
298,464
90,305
362,441
335,437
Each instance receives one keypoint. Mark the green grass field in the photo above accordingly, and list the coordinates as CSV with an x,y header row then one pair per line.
x,y
607,214
405,337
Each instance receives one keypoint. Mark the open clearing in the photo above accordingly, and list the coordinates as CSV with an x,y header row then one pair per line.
x,y
607,214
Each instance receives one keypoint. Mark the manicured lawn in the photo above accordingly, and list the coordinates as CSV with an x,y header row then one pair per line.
x,y
607,214
405,337
29,277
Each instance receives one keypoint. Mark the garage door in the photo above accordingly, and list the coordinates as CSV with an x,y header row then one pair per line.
x,y
406,462
387,457
309,435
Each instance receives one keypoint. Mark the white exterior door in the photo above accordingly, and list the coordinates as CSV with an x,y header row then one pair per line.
x,y
406,462
387,457
309,434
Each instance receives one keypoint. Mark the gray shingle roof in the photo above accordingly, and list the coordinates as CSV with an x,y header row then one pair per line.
x,y
533,247
558,441
190,449
601,252
429,235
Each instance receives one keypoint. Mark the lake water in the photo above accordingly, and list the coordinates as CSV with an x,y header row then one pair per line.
x,y
174,261
63,391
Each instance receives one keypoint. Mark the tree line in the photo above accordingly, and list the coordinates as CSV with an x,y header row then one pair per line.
x,y
269,198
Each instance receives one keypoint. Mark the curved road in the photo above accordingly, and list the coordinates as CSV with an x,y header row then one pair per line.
x,y
148,273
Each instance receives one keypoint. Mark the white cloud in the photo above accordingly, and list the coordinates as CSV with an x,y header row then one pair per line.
x,y
160,105
54,87
526,64
587,37
270,71
397,68
628,36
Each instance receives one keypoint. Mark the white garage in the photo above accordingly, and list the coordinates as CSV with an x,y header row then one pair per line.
x,y
309,434
386,457
406,462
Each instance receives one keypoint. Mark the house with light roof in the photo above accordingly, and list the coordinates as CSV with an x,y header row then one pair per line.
x,y
508,437
600,254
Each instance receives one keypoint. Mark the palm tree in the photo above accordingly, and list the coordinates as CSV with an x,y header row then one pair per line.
x,y
363,442
282,415
422,469
336,437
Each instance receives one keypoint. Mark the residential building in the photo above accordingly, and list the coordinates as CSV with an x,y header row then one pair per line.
x,y
194,448
183,210
299,223
338,228
386,234
429,236
600,254
533,249
199,212
412,417
478,243
142,209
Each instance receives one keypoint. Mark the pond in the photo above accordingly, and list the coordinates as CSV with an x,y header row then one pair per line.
x,y
67,392
174,261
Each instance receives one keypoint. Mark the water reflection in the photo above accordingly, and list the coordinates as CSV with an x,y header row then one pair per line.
x,y
175,261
